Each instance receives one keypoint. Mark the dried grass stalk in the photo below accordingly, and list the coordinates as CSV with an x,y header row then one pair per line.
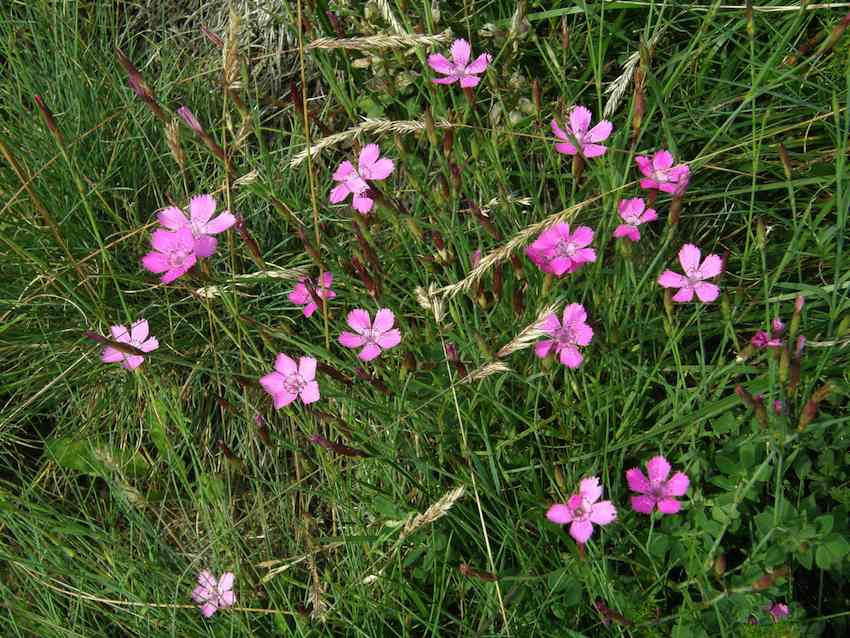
x,y
617,89
529,334
433,513
378,42
494,367
389,16
431,301
210,292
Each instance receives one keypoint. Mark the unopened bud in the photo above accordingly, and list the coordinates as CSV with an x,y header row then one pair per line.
x,y
720,565
786,160
668,303
537,96
448,142
578,166
518,301
337,448
768,580
214,38
191,121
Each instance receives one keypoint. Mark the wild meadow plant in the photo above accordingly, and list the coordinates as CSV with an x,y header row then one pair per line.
x,y
442,481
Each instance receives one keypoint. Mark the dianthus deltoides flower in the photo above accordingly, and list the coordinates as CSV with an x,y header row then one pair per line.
x,y
137,337
567,337
633,212
459,69
374,337
660,174
213,594
659,489
200,221
579,137
370,166
301,295
696,274
173,254
583,510
291,380
558,252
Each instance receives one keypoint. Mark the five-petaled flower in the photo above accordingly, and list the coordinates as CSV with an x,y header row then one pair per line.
x,y
301,294
558,252
579,137
777,611
173,253
373,336
213,594
634,213
696,274
137,337
658,490
459,68
370,166
289,381
567,337
201,222
660,174
583,510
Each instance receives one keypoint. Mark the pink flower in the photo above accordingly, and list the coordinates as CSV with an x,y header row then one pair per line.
x,y
660,174
201,223
212,594
657,491
302,297
558,252
374,337
693,281
566,337
369,166
459,68
776,327
577,133
289,381
762,340
633,214
137,337
583,510
777,611
173,254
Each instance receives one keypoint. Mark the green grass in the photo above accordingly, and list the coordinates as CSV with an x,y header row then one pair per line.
x,y
115,489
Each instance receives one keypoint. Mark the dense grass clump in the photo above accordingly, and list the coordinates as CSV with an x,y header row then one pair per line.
x,y
422,387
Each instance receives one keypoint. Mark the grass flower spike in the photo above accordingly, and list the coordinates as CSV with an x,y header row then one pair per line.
x,y
633,212
558,252
579,137
201,222
583,510
302,296
660,174
290,381
212,594
696,274
173,254
370,166
459,68
374,337
657,491
137,337
567,337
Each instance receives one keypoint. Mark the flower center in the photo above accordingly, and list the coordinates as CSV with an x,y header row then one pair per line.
x,y
565,248
582,512
661,175
693,276
294,383
177,257
564,334
632,220
656,491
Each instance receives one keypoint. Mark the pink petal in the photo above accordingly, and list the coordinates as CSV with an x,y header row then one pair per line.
x,y
574,313
208,609
362,204
139,331
593,150
623,230
658,469
670,279
684,295
172,218
379,170
133,361
384,320
447,80
468,81
207,580
631,207
343,171
643,504
580,117
327,279
633,234
307,368
359,321
581,530
590,489
156,262
205,246
285,365
558,266
440,64
460,52
542,348
220,224
479,65
389,339
689,257
201,208
582,236
600,132
550,323
669,506
310,308
678,484
272,382
339,193
351,340
583,334
310,392
299,295
711,266
369,351
282,399
644,164
368,156
667,187
111,355
164,240
649,184
559,133
179,271
637,481
226,581
150,345
560,514
662,160
200,594
228,598
565,148
707,292
649,216
603,513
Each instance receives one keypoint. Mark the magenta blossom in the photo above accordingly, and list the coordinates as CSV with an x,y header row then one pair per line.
x,y
302,297
694,279
370,166
660,174
212,594
137,337
579,137
657,491
200,222
583,510
777,611
290,380
763,340
558,252
173,253
459,68
567,337
634,213
373,336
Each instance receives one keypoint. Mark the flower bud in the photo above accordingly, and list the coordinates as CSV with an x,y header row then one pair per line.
x,y
536,96
720,565
448,142
786,161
